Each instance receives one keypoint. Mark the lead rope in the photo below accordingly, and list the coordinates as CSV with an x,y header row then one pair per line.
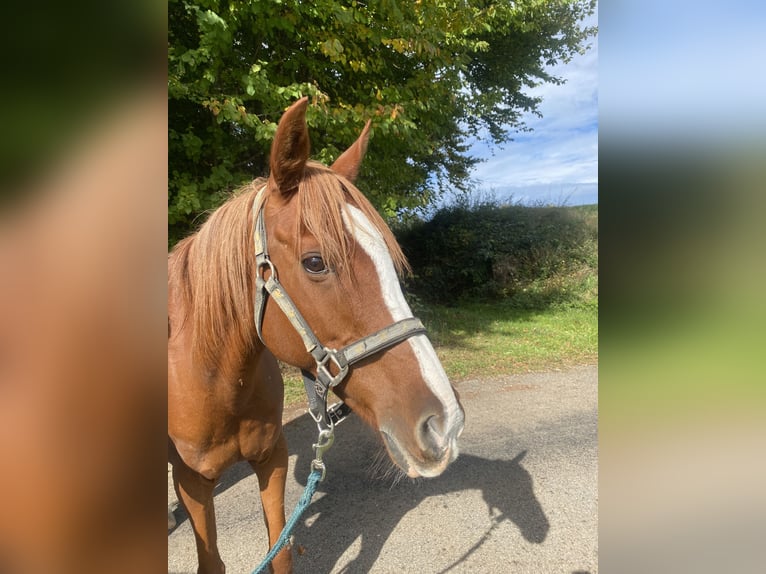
x,y
311,486
324,442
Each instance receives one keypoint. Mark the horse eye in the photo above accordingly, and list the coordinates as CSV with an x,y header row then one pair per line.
x,y
315,264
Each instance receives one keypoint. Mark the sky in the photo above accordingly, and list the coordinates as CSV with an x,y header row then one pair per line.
x,y
688,71
557,162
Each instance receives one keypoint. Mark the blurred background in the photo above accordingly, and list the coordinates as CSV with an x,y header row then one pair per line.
x,y
83,195
682,149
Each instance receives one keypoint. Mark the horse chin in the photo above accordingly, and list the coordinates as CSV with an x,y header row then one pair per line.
x,y
412,466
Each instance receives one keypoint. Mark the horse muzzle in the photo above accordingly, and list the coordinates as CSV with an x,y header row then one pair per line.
x,y
432,448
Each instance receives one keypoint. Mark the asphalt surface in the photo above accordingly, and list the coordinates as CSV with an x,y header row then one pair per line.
x,y
522,496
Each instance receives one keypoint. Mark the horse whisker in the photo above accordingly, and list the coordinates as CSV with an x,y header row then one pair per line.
x,y
383,469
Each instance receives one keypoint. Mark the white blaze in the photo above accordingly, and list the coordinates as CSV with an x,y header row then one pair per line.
x,y
370,239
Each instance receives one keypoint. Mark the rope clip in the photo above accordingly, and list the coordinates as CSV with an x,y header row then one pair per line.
x,y
324,441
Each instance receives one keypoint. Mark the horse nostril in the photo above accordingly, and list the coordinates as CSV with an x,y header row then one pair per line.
x,y
435,424
432,436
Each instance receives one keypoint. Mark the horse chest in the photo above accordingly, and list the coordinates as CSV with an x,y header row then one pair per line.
x,y
257,439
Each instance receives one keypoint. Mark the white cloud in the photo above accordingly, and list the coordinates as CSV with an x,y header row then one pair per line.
x,y
559,158
565,157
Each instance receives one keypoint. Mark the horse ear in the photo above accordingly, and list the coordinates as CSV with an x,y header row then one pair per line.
x,y
290,148
349,161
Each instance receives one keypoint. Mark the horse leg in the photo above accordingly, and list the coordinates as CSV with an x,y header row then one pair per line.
x,y
196,494
272,475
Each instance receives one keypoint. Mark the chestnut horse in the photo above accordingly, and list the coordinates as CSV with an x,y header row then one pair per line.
x,y
337,260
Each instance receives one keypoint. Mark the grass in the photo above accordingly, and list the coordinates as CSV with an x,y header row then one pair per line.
x,y
485,339
553,324
294,391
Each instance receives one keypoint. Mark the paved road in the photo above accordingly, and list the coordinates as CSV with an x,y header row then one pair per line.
x,y
522,496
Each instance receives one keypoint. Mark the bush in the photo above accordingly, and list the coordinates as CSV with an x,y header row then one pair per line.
x,y
489,251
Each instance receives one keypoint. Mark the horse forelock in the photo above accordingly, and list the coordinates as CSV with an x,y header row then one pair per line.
x,y
322,199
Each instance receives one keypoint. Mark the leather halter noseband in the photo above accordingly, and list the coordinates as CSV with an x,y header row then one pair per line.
x,y
317,387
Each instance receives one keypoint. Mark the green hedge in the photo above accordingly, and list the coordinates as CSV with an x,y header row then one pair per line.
x,y
488,251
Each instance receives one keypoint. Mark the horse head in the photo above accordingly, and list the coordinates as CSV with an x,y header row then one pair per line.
x,y
340,264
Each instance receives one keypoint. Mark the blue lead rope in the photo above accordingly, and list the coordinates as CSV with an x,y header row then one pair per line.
x,y
311,486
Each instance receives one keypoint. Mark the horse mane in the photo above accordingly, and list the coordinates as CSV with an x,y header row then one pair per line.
x,y
213,270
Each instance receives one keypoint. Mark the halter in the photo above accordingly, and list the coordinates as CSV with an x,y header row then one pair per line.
x,y
327,359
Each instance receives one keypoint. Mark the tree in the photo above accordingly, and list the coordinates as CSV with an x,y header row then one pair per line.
x,y
429,73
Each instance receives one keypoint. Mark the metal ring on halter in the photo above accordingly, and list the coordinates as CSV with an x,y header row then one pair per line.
x,y
324,375
265,262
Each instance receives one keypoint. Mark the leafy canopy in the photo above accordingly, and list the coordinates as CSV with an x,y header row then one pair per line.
x,y
429,73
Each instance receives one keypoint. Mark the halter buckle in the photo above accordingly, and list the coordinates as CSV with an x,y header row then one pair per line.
x,y
325,379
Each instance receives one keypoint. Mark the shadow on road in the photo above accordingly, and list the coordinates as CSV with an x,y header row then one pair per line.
x,y
353,503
